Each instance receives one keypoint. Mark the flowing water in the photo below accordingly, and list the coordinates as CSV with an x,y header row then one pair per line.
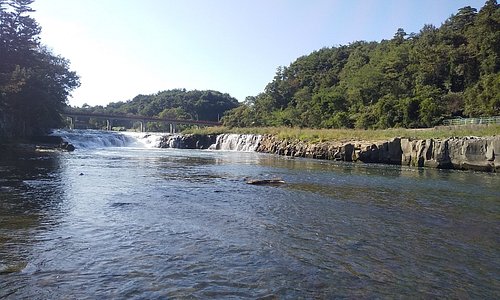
x,y
145,223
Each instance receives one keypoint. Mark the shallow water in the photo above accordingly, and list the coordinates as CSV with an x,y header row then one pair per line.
x,y
164,223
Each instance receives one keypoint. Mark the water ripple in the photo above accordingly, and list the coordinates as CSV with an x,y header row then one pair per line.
x,y
184,224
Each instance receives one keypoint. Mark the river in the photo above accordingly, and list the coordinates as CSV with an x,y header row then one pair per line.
x,y
145,223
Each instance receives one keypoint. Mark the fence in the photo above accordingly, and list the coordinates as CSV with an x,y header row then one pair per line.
x,y
462,121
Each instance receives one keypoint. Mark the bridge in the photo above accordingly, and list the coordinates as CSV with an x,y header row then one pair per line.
x,y
73,116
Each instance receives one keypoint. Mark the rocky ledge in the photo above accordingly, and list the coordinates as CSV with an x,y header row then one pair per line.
x,y
464,153
188,141
49,143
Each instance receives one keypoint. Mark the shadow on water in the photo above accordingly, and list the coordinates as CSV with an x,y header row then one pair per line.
x,y
31,196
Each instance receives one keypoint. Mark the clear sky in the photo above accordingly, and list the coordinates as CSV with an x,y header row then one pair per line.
x,y
122,48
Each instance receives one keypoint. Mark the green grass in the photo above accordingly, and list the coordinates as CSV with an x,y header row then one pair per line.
x,y
322,135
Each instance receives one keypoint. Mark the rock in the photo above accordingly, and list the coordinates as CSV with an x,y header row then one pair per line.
x,y
465,153
275,181
474,153
67,147
347,152
48,143
188,141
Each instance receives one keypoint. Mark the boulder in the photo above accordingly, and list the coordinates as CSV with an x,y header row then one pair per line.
x,y
474,153
67,147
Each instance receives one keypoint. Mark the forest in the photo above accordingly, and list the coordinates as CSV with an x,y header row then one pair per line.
x,y
34,82
412,80
173,104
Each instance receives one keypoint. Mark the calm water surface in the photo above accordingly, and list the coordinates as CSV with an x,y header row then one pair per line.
x,y
158,223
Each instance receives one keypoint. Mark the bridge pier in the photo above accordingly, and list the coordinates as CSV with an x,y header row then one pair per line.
x,y
109,124
143,125
173,128
72,121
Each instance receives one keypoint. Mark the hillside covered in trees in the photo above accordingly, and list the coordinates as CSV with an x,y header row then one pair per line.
x,y
34,83
174,104
411,80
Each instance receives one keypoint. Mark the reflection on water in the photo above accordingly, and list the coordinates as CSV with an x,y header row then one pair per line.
x,y
29,199
150,223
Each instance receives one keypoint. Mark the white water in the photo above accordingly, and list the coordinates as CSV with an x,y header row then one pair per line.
x,y
236,142
92,139
146,139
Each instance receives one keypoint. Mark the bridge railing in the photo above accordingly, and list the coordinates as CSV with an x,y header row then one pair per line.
x,y
468,121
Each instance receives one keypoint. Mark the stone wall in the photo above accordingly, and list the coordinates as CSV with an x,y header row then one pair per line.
x,y
467,153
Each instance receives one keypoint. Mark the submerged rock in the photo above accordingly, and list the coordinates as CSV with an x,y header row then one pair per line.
x,y
274,181
67,146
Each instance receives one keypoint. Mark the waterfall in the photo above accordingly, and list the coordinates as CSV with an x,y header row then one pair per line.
x,y
236,142
93,138
145,139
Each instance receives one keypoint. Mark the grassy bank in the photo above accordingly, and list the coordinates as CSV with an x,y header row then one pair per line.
x,y
321,135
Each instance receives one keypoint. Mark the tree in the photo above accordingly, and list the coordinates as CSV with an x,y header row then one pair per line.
x,y
206,105
411,80
483,99
34,83
484,37
241,116
399,36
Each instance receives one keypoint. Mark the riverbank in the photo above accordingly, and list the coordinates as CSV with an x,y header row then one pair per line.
x,y
455,147
35,144
460,153
474,152
345,135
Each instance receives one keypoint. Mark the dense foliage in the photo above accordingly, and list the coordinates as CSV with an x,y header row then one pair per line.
x,y
412,80
173,104
34,83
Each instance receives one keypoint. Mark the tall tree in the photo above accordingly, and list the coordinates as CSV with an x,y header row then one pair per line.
x,y
34,83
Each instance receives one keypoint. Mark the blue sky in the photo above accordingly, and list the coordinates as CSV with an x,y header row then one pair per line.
x,y
122,48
